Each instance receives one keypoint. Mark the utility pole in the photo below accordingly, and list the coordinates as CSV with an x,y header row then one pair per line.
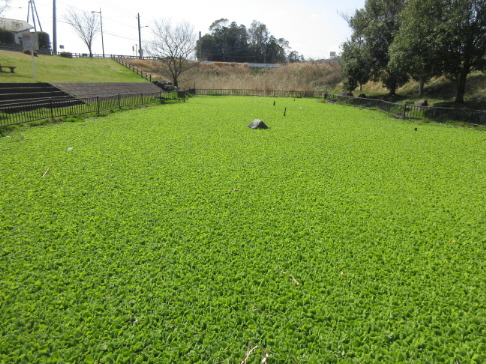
x,y
199,56
140,51
54,28
101,22
32,8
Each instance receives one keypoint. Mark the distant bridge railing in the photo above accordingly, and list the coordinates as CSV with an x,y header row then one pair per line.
x,y
407,111
50,108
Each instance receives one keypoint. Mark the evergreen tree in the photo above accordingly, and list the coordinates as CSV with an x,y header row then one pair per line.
x,y
461,33
235,43
374,28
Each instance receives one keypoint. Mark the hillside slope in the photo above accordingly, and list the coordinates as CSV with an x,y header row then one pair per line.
x,y
59,69
310,76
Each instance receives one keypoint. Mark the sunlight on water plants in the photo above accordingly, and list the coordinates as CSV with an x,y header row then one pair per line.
x,y
176,234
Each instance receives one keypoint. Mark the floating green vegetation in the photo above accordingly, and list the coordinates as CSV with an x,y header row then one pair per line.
x,y
176,234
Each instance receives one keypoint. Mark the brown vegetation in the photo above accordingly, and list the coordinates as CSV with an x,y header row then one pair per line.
x,y
306,76
310,76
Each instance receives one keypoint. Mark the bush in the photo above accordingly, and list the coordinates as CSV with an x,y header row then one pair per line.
x,y
66,54
28,52
44,40
6,37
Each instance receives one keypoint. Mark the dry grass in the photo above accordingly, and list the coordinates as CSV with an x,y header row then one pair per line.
x,y
311,76
439,90
296,76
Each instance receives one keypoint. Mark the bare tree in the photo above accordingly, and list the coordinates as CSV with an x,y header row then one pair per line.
x,y
4,5
174,46
85,25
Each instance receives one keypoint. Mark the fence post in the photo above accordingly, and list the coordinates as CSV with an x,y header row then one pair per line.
x,y
404,110
119,103
52,108
98,103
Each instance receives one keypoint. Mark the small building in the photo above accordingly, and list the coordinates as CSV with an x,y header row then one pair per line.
x,y
17,27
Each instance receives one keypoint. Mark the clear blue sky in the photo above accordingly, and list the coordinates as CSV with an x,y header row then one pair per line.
x,y
313,28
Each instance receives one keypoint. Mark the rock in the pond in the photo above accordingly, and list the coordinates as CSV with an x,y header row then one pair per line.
x,y
257,124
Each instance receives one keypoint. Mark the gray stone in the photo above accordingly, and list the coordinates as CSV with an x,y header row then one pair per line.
x,y
166,85
257,124
422,102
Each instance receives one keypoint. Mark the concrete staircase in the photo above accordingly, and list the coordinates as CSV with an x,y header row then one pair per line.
x,y
35,95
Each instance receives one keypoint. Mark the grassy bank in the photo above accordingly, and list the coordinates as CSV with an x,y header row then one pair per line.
x,y
176,234
59,69
438,91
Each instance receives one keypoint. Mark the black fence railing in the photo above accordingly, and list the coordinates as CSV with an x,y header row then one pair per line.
x,y
259,93
112,56
32,110
146,75
407,111
51,108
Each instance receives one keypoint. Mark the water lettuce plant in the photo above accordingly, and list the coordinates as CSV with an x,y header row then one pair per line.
x,y
177,234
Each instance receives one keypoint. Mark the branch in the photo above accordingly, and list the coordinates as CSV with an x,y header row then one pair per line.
x,y
247,356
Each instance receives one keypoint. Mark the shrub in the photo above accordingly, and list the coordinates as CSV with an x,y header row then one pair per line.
x,y
44,40
6,37
28,52
66,54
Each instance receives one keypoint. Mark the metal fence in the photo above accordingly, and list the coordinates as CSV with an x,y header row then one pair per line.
x,y
32,110
407,111
146,75
51,108
259,93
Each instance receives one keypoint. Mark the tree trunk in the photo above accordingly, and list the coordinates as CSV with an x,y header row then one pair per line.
x,y
461,86
421,87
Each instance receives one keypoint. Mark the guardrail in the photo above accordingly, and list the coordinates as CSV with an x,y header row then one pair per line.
x,y
51,108
407,111
96,55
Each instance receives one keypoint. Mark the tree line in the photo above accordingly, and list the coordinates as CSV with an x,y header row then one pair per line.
x,y
230,42
397,40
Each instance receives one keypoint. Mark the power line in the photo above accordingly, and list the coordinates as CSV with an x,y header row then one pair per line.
x,y
117,8
117,22
107,32
119,36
